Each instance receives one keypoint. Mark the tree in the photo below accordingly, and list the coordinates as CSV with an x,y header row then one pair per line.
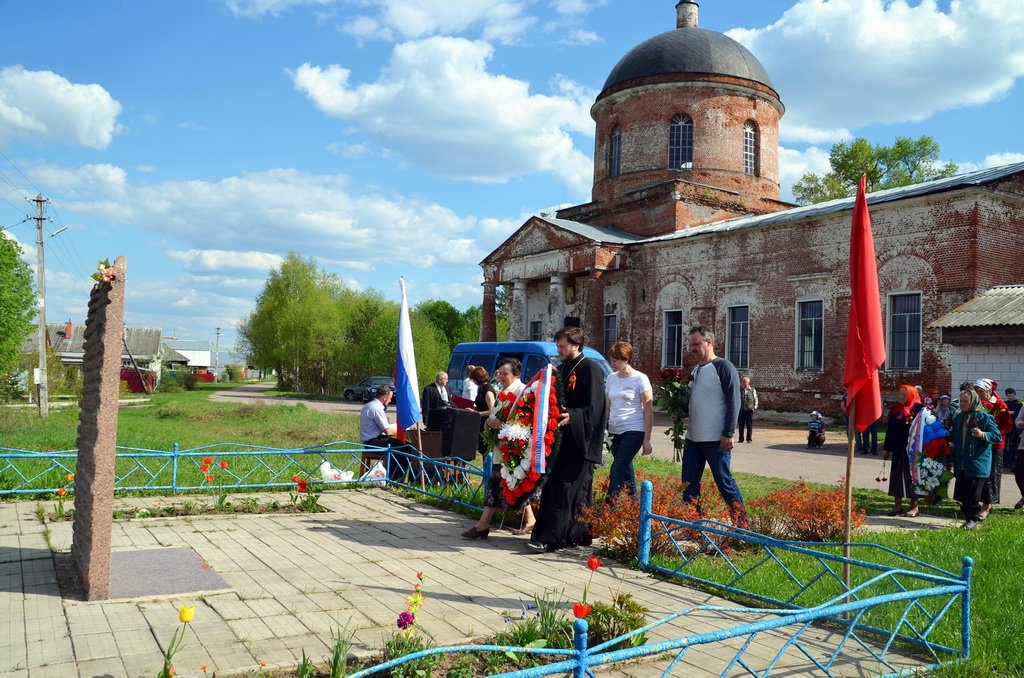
x,y
907,161
17,303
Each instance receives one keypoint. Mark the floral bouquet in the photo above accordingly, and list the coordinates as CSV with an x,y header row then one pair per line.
x,y
527,439
928,449
506,401
673,396
105,273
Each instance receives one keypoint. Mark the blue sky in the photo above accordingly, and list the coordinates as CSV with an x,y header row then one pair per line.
x,y
204,139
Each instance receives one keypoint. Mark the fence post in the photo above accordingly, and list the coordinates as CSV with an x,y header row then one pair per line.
x,y
644,538
580,628
965,606
174,468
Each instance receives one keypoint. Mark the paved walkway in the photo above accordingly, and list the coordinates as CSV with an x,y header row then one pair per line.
x,y
294,578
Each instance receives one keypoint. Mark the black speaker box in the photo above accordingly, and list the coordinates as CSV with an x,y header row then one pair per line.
x,y
435,418
460,433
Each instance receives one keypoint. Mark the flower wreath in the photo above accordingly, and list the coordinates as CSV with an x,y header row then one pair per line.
x,y
525,443
929,453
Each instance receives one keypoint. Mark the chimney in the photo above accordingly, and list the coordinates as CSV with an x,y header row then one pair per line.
x,y
68,330
686,14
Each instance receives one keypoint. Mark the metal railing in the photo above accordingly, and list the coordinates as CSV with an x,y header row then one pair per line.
x,y
246,467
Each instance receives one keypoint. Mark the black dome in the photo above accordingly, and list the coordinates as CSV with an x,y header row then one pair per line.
x,y
688,50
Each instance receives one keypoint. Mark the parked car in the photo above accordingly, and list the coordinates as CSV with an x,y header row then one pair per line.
x,y
532,354
365,389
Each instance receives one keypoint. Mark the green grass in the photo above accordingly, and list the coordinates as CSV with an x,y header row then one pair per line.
x,y
192,420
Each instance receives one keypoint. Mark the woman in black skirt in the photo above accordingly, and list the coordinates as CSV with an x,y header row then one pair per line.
x,y
897,435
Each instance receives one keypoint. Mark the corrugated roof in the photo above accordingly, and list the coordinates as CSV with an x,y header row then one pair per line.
x,y
846,204
189,344
1003,305
596,233
142,341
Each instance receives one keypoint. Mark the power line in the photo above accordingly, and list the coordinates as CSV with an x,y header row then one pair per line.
x,y
11,163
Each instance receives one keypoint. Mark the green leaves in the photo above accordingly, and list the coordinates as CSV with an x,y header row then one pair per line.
x,y
907,161
17,303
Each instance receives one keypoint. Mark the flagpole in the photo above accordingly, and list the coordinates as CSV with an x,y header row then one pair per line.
x,y
848,513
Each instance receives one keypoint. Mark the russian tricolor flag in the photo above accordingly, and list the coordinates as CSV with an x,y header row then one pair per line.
x,y
407,390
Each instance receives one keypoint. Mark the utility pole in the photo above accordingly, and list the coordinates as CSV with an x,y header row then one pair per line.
x,y
216,353
43,390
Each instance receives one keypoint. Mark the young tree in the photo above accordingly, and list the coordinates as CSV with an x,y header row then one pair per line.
x,y
907,161
17,303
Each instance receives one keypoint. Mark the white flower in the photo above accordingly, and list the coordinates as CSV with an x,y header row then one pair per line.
x,y
514,431
929,418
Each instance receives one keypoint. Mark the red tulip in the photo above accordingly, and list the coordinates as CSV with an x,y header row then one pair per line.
x,y
581,610
207,460
61,491
593,562
204,468
209,479
223,464
302,485
295,479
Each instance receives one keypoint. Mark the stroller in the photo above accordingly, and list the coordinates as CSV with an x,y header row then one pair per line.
x,y
815,431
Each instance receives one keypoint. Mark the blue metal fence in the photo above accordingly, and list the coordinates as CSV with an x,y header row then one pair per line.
x,y
248,467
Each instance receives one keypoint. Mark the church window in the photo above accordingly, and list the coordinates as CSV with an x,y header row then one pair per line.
x,y
680,142
750,148
615,151
611,331
810,334
536,330
738,348
673,348
904,331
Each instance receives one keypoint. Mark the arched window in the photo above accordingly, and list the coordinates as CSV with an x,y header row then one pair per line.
x,y
750,147
615,151
680,142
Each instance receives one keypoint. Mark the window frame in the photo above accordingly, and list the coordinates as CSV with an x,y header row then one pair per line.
x,y
665,362
537,335
798,345
615,151
614,329
751,157
890,329
681,135
729,347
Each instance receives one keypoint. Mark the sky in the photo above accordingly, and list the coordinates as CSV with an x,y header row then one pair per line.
x,y
205,139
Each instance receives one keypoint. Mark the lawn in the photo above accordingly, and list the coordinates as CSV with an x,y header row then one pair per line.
x,y
192,420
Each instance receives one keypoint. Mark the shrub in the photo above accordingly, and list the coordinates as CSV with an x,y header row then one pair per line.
x,y
188,380
800,513
623,615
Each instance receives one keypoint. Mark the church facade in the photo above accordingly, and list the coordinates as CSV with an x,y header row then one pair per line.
x,y
685,227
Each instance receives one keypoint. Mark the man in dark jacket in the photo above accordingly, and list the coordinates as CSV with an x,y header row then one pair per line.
x,y
570,478
436,395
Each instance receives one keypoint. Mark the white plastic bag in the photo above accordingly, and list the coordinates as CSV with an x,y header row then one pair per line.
x,y
377,475
333,475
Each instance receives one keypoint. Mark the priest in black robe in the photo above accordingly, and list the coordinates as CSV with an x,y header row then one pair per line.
x,y
570,477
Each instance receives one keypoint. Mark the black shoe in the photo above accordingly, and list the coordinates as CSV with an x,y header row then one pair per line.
x,y
473,533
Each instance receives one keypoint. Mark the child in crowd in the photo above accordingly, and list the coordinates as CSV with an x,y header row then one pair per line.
x,y
815,431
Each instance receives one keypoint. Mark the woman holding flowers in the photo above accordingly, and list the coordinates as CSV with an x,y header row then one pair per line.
x,y
974,433
484,402
897,436
508,373
629,400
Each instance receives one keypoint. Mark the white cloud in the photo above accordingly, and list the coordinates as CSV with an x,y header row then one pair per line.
x,y
42,106
223,260
992,160
860,62
578,36
500,20
793,164
437,104
255,9
576,7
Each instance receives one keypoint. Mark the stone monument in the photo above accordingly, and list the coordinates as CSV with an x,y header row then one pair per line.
x,y
97,431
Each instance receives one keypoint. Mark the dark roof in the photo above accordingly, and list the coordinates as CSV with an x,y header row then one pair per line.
x,y
1003,305
143,342
688,50
830,207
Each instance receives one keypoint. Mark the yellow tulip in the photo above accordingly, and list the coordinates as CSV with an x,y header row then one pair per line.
x,y
186,613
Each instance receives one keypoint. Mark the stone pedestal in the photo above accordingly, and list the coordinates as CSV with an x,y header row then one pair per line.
x,y
97,435
488,314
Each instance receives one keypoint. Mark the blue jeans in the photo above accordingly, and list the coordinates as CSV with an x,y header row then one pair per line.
x,y
695,456
624,449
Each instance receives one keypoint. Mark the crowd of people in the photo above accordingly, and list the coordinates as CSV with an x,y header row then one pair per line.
x,y
983,434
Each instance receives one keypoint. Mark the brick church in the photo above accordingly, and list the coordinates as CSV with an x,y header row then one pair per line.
x,y
685,227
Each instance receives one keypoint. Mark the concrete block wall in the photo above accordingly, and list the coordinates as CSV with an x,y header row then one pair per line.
x,y
1004,364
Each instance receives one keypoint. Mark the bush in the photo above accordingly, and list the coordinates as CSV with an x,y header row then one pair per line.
x,y
188,380
800,513
233,372
623,615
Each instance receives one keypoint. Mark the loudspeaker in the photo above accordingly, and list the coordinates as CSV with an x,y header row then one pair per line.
x,y
460,433
435,418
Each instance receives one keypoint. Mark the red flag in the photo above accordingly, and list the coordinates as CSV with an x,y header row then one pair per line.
x,y
865,342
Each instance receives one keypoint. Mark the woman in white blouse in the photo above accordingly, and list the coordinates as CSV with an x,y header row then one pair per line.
x,y
629,400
